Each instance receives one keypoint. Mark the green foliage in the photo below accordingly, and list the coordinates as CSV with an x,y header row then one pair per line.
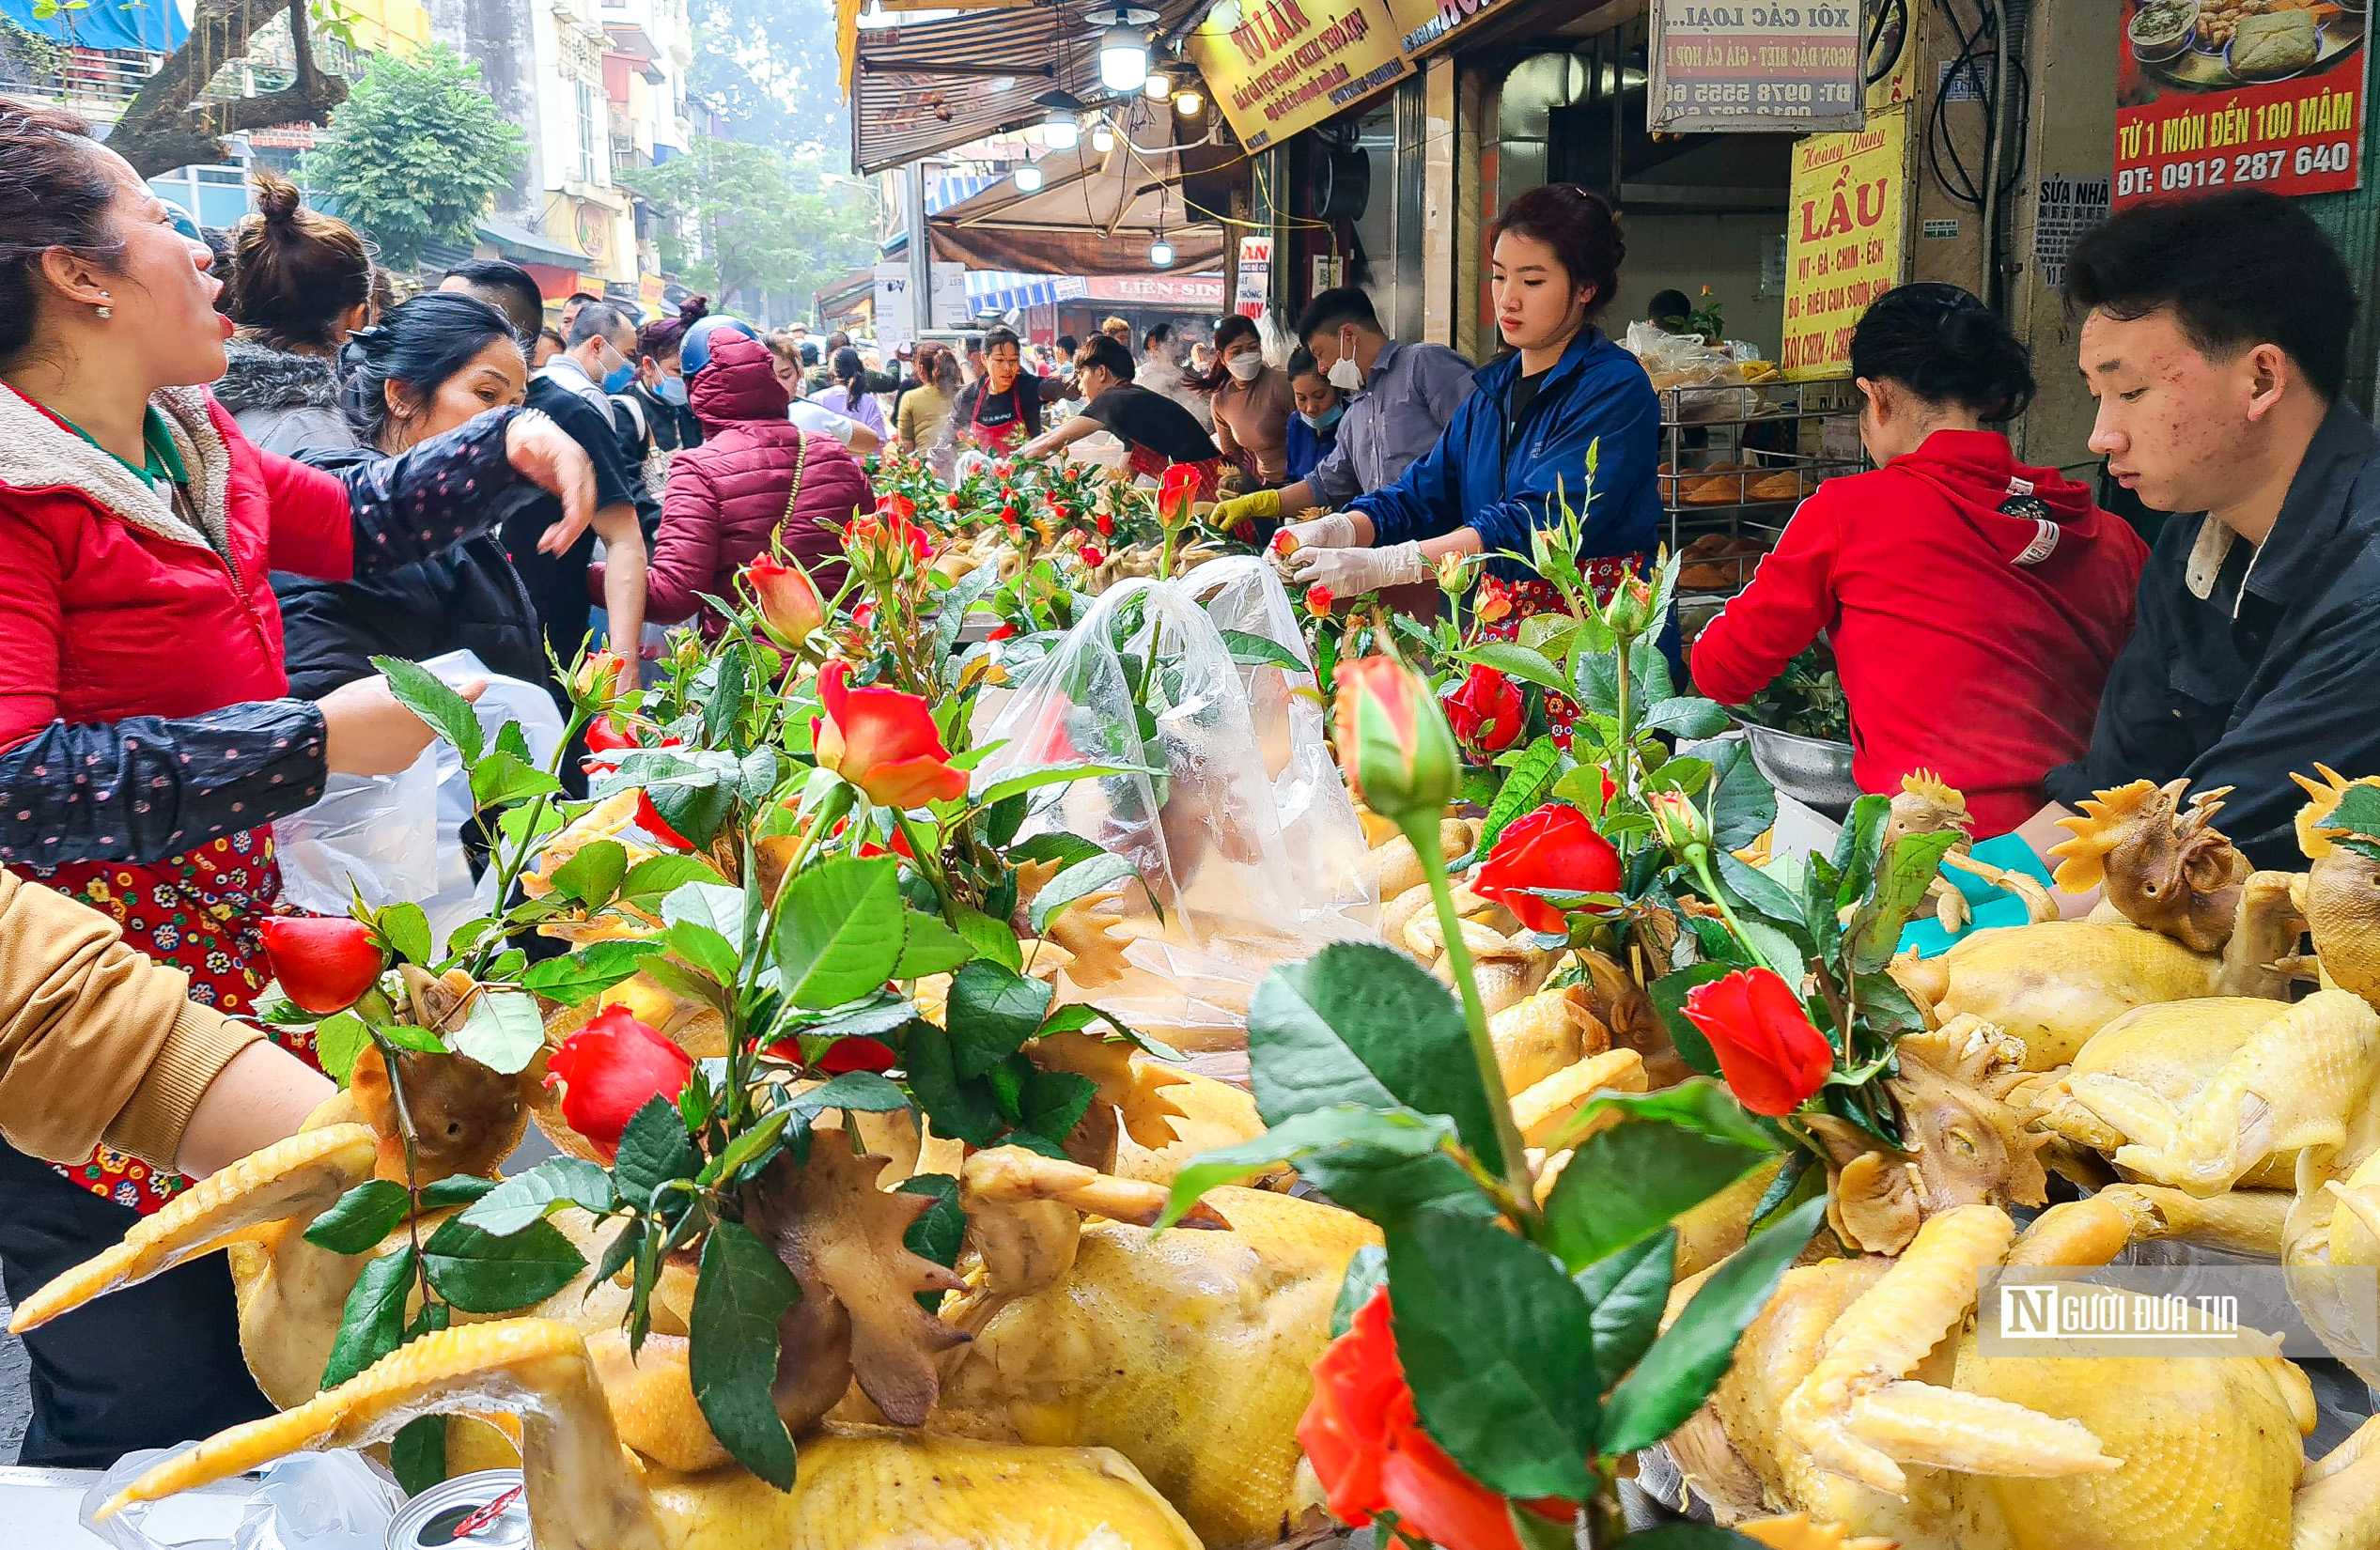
x,y
768,220
739,1292
417,153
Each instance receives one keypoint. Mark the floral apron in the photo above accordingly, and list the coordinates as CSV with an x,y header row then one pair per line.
x,y
1503,604
203,912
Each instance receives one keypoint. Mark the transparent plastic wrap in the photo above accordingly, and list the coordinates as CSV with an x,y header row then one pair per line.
x,y
376,835
1234,885
1688,361
307,1502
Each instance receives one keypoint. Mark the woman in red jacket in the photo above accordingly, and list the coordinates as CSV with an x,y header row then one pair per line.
x,y
754,472
147,739
1974,604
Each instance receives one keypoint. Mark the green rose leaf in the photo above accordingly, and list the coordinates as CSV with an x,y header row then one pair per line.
x,y
373,1322
656,876
357,1222
992,1012
1625,1183
1669,999
500,779
590,970
1342,1147
1525,789
594,875
503,1032
653,1150
1500,1350
962,1110
481,1273
839,931
405,929
938,1233
1054,1103
1743,803
1629,1292
929,947
739,1293
992,938
1366,1274
1078,882
863,1090
338,1039
1008,783
457,1189
530,1197
1520,661
1362,1024
1903,874
1680,1367
423,693
418,1454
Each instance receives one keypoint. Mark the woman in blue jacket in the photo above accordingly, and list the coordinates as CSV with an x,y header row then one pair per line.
x,y
1518,446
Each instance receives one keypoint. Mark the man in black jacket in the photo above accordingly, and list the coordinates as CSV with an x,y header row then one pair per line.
x,y
2215,337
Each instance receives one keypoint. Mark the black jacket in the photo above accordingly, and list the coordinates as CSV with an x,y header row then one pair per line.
x,y
466,596
2269,671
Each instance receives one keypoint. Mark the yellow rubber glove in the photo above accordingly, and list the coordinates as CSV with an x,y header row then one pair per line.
x,y
1246,511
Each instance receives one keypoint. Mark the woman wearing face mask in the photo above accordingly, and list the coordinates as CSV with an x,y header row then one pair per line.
x,y
1003,411
1251,403
655,403
1953,575
1518,447
432,364
1313,431
1156,431
147,736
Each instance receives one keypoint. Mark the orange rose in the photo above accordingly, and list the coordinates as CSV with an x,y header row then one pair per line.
x,y
883,741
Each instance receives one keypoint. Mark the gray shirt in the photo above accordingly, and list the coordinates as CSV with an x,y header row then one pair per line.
x,y
1413,393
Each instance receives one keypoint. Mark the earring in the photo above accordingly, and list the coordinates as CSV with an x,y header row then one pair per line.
x,y
103,309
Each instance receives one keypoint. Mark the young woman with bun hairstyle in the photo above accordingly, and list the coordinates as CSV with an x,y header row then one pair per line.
x,y
1518,447
1975,605
300,283
148,736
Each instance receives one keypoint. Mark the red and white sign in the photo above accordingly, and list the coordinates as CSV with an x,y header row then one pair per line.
x,y
1256,276
1159,291
2193,113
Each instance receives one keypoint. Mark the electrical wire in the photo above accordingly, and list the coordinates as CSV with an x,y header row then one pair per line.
x,y
1966,187
1875,36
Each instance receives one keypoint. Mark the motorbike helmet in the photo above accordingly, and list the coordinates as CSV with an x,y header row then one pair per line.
x,y
694,352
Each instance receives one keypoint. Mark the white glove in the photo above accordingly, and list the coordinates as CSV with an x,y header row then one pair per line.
x,y
1353,573
1332,530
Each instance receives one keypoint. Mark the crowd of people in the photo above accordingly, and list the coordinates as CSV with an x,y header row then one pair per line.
x,y
232,473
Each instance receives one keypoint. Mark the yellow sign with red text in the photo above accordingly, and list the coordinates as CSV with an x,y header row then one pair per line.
x,y
1846,240
1276,66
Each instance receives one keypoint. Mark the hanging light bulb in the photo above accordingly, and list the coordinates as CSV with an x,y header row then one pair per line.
x,y
1157,86
1029,178
1189,104
1161,253
1124,59
1059,131
1102,137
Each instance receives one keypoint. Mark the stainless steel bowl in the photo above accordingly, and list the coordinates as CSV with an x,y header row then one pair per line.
x,y
1812,770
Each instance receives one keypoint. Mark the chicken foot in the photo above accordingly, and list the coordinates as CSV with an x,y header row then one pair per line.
x,y
581,1491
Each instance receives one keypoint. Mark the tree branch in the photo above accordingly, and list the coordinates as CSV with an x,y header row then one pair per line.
x,y
167,125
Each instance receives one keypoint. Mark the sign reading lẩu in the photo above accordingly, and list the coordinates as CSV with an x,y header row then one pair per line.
x,y
1845,240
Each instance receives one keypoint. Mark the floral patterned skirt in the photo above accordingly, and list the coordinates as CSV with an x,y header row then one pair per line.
x,y
203,912
1503,604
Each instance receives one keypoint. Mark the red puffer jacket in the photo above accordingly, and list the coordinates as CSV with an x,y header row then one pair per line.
x,y
727,496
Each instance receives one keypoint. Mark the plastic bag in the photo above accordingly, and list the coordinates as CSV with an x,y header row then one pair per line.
x,y
1233,885
307,1502
374,834
1698,381
454,896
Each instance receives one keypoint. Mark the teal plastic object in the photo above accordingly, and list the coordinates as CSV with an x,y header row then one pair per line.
x,y
1988,905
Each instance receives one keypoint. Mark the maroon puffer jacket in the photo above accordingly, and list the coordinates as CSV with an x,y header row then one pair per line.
x,y
728,495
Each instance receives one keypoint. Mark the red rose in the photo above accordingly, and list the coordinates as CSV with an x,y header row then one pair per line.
x,y
864,614
1091,556
883,741
1175,492
1552,847
898,505
1485,710
610,1069
324,963
1365,1441
1000,631
886,532
1105,522
1771,1054
605,734
856,1053
788,601
1318,601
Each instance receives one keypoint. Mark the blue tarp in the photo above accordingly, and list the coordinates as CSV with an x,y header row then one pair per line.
x,y
155,26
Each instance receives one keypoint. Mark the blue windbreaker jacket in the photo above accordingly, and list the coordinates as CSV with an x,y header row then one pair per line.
x,y
1596,394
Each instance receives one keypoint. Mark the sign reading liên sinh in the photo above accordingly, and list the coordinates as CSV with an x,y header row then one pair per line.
x,y
1786,66
1278,67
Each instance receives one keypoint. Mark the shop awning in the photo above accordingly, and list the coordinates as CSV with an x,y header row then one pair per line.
x,y
921,89
521,245
153,28
992,290
1093,214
